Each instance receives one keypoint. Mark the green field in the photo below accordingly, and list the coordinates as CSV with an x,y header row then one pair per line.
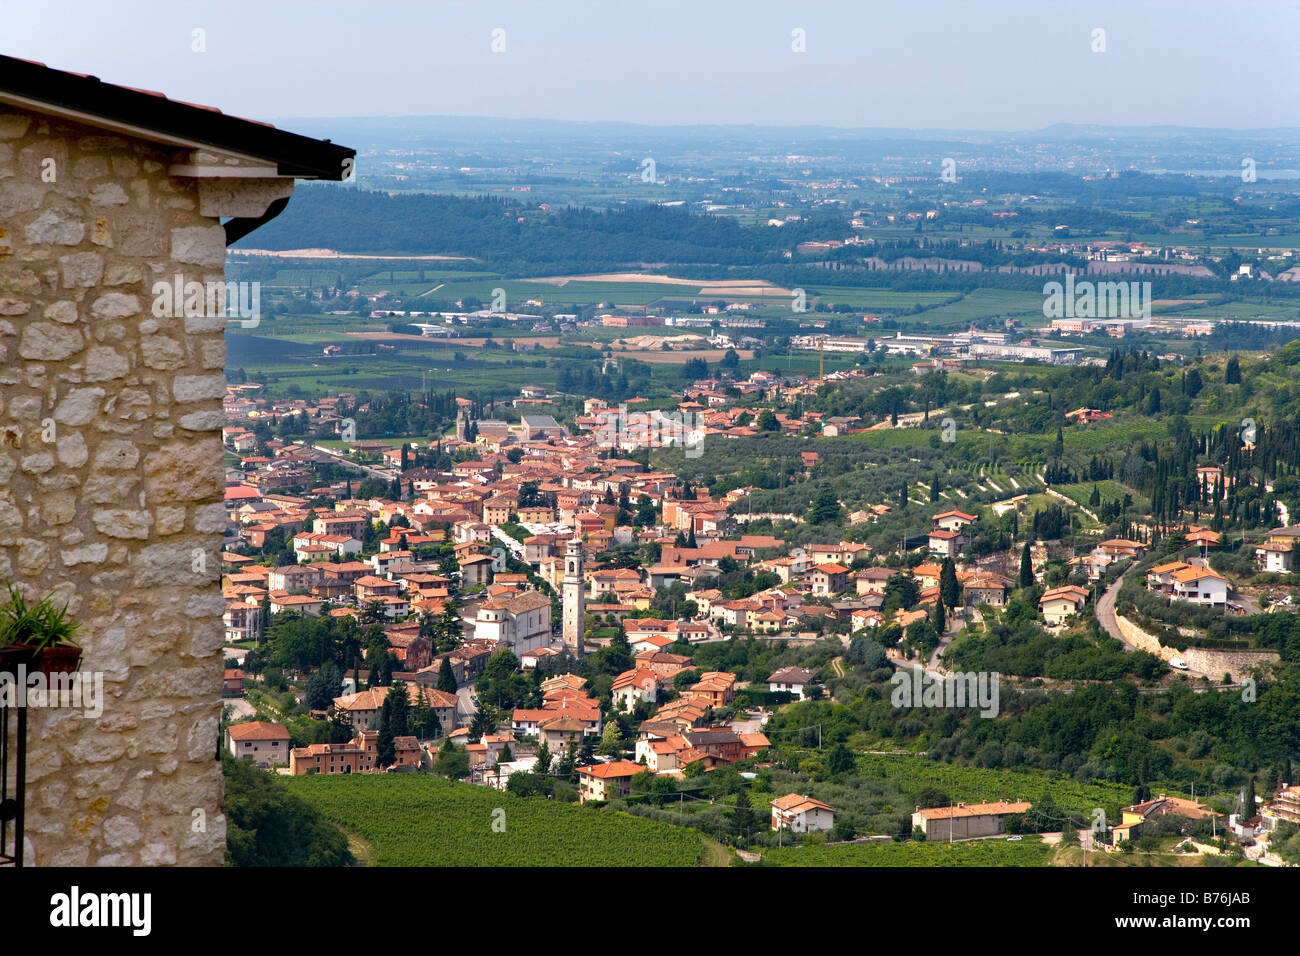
x,y
420,820
983,785
1243,310
983,303
865,297
1030,851
1109,490
576,292
416,281
287,357
337,444
1112,435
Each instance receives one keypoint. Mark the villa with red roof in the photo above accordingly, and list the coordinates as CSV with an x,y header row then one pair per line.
x,y
800,814
266,744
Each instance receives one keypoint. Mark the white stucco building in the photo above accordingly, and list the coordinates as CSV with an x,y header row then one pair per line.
x,y
522,623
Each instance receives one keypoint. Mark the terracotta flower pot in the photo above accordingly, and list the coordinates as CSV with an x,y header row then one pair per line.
x,y
58,659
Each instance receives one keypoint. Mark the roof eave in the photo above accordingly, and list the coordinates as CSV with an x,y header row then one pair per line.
x,y
155,118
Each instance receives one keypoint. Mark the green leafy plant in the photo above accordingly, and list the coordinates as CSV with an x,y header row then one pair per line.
x,y
39,626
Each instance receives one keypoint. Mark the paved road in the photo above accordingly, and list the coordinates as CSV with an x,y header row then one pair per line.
x,y
465,708
514,546
238,708
750,724
913,665
955,625
1106,612
1106,617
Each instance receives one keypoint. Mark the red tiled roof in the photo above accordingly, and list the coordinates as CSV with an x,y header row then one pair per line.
x,y
258,730
615,769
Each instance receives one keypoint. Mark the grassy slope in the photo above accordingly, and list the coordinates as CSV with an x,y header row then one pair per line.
x,y
1030,851
420,820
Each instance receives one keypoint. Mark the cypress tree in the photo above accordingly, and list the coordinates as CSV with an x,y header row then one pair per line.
x,y
387,752
1026,568
446,679
398,702
949,589
543,764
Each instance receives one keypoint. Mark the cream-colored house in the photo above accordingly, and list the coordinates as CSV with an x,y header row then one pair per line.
x,y
604,780
266,744
639,685
1058,604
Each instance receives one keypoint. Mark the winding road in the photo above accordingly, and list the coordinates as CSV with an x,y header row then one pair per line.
x,y
1106,618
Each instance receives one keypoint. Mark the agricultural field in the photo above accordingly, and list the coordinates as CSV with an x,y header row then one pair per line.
x,y
865,297
983,303
1109,490
420,820
393,441
1029,851
1012,479
982,785
575,293
1111,436
416,281
293,364
301,278
919,436
1241,310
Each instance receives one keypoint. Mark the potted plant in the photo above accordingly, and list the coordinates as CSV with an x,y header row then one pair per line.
x,y
39,635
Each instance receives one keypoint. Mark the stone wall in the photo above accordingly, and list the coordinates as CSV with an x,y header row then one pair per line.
x,y
1213,663
111,486
1238,664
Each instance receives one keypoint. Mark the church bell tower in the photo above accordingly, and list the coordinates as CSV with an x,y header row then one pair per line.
x,y
575,600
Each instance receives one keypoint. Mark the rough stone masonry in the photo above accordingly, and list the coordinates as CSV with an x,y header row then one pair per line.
x,y
111,486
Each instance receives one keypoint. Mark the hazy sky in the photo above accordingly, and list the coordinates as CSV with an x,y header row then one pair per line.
x,y
968,64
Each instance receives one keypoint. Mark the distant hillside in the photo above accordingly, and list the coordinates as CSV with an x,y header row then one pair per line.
x,y
491,230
